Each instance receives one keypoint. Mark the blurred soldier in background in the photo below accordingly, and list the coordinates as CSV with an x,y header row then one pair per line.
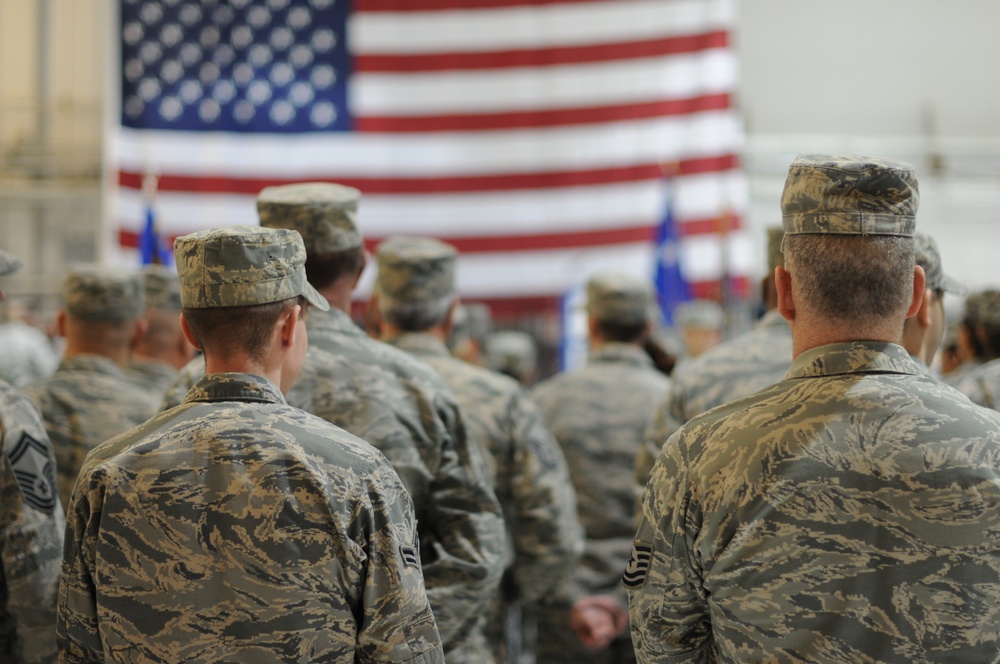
x,y
235,527
472,327
163,349
513,353
700,323
31,527
982,383
922,332
415,294
732,370
89,398
970,348
26,354
848,512
598,415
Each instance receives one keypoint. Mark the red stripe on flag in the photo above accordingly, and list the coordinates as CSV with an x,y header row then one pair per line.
x,y
169,182
543,118
538,57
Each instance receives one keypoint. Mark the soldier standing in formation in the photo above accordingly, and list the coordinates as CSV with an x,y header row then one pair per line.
x,y
732,370
89,398
848,513
31,527
235,527
399,405
598,415
415,295
981,382
162,350
923,332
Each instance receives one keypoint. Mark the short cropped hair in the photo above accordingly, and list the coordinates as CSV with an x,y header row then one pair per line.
x,y
324,269
416,315
222,330
628,333
861,279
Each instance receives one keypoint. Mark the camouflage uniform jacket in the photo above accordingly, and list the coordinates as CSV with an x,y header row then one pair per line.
x,y
732,370
598,414
31,533
526,467
151,376
982,384
850,513
400,406
235,527
85,402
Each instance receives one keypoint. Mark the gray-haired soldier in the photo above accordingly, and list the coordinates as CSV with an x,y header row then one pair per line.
x,y
981,383
31,526
732,370
923,332
89,398
848,513
162,350
598,414
235,527
415,294
396,403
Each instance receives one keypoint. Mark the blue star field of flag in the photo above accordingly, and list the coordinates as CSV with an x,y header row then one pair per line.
x,y
235,65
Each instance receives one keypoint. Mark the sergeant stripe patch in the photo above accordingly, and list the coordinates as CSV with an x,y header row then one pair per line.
x,y
35,475
638,565
410,557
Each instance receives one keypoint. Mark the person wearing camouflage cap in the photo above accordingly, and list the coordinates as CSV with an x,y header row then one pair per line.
x,y
163,349
513,353
415,294
235,527
981,383
701,324
89,398
923,332
732,370
969,345
598,414
848,512
473,325
393,401
31,526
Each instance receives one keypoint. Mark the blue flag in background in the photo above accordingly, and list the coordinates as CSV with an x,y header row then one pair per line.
x,y
150,246
671,287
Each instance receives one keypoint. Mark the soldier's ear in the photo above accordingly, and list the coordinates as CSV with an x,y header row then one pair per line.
x,y
187,334
919,283
783,285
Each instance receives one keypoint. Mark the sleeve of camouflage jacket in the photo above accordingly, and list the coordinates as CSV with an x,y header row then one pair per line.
x,y
396,624
548,539
31,531
668,609
463,557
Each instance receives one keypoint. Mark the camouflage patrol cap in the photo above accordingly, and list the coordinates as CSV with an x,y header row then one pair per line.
x,y
849,196
98,293
988,308
161,288
238,266
512,352
619,298
415,269
323,213
699,315
928,257
775,234
8,263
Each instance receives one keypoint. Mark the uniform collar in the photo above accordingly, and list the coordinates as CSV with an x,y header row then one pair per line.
x,y
420,343
235,387
851,358
620,353
334,320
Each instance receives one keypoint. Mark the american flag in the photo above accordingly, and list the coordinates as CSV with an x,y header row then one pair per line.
x,y
531,134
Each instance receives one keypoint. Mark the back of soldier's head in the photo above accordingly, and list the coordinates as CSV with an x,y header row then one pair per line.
x,y
236,281
415,286
325,215
102,306
849,224
620,306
